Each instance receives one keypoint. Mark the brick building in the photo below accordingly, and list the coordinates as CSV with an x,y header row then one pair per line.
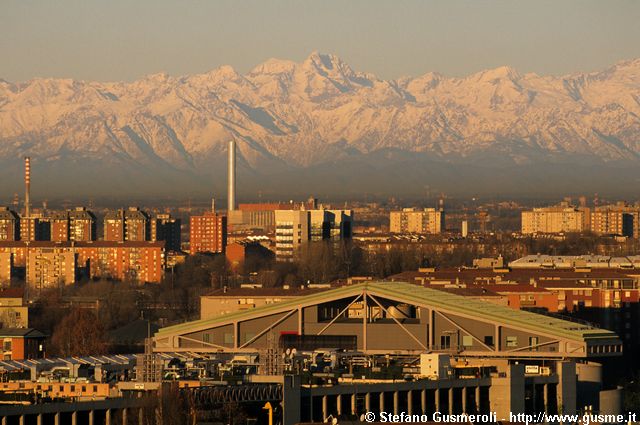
x,y
46,263
59,226
131,224
208,233
82,225
238,253
22,343
131,260
9,225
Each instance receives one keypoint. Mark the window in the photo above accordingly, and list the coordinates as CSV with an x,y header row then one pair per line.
x,y
205,337
488,340
533,342
512,341
445,341
7,345
228,338
467,340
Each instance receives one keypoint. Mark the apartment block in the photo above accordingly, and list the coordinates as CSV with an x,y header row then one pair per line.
x,y
48,264
51,268
82,225
59,226
563,218
131,224
619,219
412,220
208,233
9,225
292,232
137,261
30,228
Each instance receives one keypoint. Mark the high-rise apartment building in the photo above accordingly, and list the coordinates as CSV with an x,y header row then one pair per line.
x,y
59,226
114,226
619,219
126,225
562,218
295,228
9,225
208,233
412,220
82,225
50,268
30,228
292,231
166,228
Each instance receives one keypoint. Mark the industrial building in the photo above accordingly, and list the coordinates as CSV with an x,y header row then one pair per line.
x,y
514,360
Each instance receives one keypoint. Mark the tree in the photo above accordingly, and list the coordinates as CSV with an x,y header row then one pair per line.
x,y
79,334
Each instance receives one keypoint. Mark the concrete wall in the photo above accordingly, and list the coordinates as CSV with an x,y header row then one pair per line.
x,y
507,392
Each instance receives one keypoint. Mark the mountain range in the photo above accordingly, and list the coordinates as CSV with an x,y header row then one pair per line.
x,y
320,127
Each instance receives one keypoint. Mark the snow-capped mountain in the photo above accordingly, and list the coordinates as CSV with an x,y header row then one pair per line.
x,y
316,119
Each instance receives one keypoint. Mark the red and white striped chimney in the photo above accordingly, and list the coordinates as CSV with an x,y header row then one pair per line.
x,y
27,186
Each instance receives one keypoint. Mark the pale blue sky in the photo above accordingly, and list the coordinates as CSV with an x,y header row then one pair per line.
x,y
125,39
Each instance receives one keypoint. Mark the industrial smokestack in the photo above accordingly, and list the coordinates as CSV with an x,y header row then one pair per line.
x,y
27,186
231,178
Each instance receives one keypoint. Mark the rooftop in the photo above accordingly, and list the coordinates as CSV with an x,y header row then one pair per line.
x,y
12,293
21,332
419,296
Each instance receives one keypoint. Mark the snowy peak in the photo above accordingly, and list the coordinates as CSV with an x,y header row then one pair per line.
x,y
274,67
299,114
497,74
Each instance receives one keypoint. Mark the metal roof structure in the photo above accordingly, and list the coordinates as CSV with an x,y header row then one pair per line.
x,y
119,359
445,303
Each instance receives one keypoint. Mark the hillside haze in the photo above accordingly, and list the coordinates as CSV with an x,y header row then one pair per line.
x,y
320,127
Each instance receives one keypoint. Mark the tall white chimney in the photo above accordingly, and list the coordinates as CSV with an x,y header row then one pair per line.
x,y
231,177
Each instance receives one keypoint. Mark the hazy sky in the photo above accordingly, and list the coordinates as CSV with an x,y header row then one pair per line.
x,y
125,39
